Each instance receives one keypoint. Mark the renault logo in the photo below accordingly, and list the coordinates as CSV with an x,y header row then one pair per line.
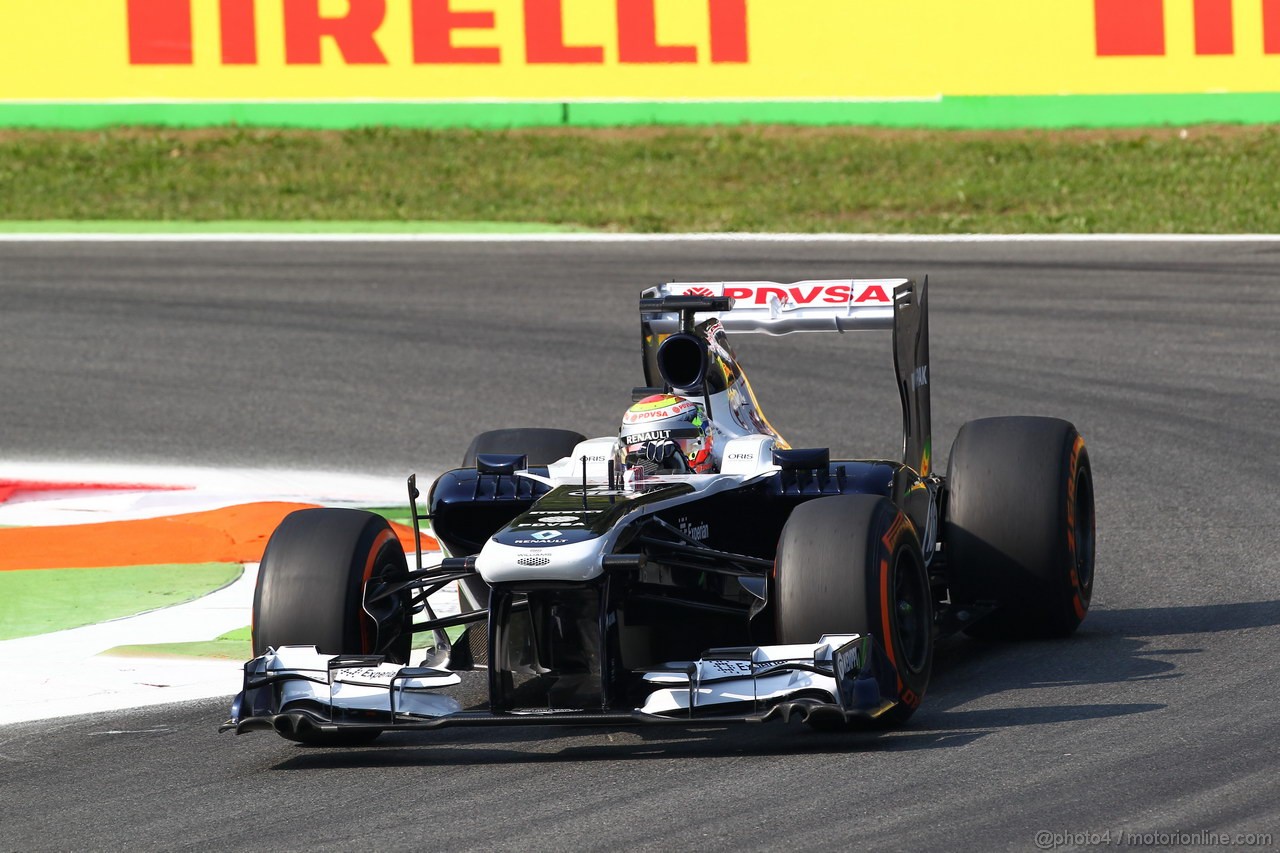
x,y
546,534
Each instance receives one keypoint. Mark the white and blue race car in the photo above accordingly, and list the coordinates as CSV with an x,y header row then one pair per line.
x,y
693,569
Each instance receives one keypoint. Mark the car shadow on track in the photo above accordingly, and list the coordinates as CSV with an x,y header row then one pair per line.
x,y
1113,647
525,745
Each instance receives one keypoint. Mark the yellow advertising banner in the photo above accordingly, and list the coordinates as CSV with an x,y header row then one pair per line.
x,y
511,50
618,51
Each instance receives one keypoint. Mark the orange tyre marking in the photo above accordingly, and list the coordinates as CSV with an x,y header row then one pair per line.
x,y
889,541
1077,592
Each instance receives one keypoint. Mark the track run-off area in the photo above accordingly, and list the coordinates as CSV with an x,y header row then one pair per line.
x,y
380,357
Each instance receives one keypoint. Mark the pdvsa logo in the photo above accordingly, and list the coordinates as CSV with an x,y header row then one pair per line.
x,y
801,295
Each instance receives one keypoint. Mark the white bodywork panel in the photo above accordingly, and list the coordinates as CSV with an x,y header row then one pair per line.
x,y
362,687
582,560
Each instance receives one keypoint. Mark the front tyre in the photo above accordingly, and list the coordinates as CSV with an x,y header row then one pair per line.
x,y
851,564
311,592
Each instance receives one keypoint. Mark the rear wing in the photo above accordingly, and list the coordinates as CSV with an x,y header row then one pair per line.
x,y
771,308
844,305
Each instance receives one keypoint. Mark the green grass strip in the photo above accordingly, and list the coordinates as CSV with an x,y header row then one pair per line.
x,y
967,111
41,601
233,645
124,226
774,179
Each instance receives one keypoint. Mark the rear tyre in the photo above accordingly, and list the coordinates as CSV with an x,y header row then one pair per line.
x,y
1019,526
311,592
851,564
542,446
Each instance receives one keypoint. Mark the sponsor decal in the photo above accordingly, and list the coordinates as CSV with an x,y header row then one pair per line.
x,y
652,435
1138,27
806,294
544,712
520,536
725,668
698,530
742,457
366,675
920,377
699,291
560,511
162,32
660,435
528,524
561,519
575,51
633,417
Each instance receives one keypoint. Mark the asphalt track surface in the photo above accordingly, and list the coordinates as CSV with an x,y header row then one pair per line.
x,y
1160,715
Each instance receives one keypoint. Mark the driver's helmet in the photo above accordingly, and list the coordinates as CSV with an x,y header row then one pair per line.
x,y
659,428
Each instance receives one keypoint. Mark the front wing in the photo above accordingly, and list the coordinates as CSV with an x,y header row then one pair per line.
x,y
846,678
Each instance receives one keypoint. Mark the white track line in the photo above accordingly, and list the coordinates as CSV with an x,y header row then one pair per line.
x,y
634,238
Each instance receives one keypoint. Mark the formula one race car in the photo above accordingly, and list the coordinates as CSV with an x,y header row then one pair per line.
x,y
694,569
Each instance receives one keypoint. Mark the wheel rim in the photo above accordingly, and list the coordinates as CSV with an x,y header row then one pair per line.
x,y
382,617
912,626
